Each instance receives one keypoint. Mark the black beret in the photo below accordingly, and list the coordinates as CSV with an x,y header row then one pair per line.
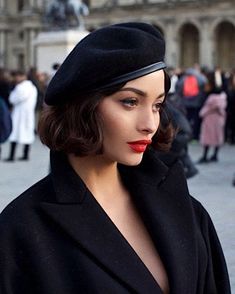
x,y
108,56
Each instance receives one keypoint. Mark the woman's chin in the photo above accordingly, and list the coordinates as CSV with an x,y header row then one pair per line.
x,y
133,161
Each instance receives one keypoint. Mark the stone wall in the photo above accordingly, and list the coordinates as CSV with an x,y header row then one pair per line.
x,y
196,31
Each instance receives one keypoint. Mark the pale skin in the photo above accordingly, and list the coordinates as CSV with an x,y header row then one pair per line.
x,y
131,114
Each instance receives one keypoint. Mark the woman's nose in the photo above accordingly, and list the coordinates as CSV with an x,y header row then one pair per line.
x,y
149,123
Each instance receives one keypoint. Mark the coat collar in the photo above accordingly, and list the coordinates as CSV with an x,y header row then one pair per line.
x,y
164,203
71,189
160,194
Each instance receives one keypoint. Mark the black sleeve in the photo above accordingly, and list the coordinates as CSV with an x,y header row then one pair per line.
x,y
217,280
14,279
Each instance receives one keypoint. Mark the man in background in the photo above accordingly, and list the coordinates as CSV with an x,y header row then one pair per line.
x,y
23,99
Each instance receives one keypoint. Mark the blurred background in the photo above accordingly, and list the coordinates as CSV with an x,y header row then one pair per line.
x,y
196,31
36,36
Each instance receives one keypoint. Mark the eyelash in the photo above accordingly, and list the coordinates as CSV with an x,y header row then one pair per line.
x,y
129,102
133,102
159,106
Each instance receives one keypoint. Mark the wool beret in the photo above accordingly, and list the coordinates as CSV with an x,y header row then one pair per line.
x,y
106,57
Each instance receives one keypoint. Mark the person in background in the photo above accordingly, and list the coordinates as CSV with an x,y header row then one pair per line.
x,y
23,99
40,81
5,86
5,120
111,217
230,123
233,181
213,114
174,76
190,87
220,79
33,76
55,66
179,147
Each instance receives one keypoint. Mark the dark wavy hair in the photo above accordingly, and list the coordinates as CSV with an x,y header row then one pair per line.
x,y
75,126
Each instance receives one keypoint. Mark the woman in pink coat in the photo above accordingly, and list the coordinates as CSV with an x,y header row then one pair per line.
x,y
213,114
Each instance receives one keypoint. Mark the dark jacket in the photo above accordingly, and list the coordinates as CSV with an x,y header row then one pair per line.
x,y
5,89
191,101
5,121
183,131
56,239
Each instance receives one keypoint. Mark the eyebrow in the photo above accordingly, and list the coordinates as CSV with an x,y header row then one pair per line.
x,y
140,92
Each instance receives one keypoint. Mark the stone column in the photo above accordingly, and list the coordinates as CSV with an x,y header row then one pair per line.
x,y
2,5
39,4
32,57
27,50
206,45
31,3
8,58
171,44
2,48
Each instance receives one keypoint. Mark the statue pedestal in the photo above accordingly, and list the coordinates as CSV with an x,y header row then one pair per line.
x,y
52,47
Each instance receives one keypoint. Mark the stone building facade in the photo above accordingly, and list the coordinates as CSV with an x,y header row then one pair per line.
x,y
196,31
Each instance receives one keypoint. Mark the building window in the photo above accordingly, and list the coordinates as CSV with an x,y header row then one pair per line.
x,y
21,61
20,5
21,36
87,2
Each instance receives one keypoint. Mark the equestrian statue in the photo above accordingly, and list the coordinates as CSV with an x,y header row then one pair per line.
x,y
65,14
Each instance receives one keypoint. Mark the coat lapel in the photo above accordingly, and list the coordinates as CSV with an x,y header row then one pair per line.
x,y
163,200
78,213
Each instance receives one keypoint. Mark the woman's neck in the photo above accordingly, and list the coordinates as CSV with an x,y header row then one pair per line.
x,y
100,176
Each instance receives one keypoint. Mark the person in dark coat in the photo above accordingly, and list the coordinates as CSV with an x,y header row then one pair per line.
x,y
190,87
111,217
179,146
5,119
230,123
5,86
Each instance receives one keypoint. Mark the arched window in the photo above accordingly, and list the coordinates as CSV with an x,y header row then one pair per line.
x,y
20,5
225,45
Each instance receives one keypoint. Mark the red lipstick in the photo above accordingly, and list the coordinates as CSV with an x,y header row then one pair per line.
x,y
139,146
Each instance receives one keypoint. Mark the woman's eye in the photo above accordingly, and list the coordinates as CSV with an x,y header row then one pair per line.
x,y
157,106
129,102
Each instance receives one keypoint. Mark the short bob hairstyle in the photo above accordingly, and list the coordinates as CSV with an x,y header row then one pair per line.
x,y
75,126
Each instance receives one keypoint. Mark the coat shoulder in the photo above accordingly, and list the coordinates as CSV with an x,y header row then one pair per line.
x,y
22,207
203,218
217,273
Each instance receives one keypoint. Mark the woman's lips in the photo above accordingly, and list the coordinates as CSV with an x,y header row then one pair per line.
x,y
139,146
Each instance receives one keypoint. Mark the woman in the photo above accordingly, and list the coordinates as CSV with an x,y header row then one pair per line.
x,y
111,217
213,114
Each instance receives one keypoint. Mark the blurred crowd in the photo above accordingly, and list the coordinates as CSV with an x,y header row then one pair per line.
x,y
201,102
21,99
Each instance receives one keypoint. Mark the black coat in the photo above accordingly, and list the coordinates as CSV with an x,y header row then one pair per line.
x,y
183,133
56,239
